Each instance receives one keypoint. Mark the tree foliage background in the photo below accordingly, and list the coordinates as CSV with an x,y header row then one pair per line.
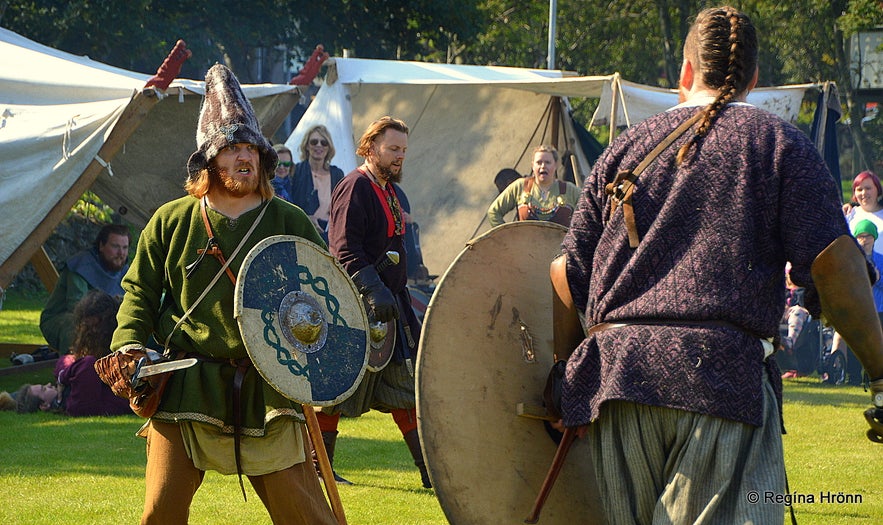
x,y
801,40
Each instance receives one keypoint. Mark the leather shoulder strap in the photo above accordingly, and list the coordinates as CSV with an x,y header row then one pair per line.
x,y
623,186
225,267
212,247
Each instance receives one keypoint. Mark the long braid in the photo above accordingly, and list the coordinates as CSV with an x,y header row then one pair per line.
x,y
709,30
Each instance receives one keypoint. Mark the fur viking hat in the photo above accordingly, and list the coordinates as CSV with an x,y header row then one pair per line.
x,y
226,117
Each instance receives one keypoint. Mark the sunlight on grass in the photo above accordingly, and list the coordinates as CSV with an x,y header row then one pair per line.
x,y
827,455
20,318
49,462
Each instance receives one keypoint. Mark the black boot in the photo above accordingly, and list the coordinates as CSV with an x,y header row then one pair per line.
x,y
413,441
330,439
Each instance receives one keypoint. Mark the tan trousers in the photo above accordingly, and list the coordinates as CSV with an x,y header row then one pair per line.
x,y
291,496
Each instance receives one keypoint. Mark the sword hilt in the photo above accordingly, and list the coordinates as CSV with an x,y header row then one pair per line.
x,y
152,357
552,475
138,384
390,258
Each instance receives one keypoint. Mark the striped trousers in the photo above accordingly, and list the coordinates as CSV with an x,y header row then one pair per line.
x,y
658,466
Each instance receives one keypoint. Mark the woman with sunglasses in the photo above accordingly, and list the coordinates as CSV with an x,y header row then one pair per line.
x,y
284,168
314,177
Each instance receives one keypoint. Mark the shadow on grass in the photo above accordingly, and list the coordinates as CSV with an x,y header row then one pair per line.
x,y
368,462
812,391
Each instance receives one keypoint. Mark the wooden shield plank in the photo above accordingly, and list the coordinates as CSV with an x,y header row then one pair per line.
x,y
486,351
302,321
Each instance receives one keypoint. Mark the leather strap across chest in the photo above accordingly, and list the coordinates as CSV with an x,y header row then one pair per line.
x,y
212,247
623,186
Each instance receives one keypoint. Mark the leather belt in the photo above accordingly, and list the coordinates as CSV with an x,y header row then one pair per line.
x,y
242,367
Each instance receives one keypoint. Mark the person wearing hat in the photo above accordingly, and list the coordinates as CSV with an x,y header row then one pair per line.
x,y
866,233
219,414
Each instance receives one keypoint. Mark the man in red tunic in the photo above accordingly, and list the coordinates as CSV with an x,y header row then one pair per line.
x,y
366,221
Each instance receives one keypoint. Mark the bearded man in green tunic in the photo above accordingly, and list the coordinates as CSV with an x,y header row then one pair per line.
x,y
218,414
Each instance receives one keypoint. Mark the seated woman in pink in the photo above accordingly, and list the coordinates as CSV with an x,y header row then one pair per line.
x,y
83,392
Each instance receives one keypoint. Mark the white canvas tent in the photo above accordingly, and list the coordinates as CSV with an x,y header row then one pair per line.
x,y
68,124
468,122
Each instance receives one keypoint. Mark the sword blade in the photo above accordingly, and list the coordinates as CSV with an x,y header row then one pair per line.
x,y
161,368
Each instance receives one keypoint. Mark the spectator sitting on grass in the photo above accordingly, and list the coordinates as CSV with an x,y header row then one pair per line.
x,y
31,398
6,401
102,267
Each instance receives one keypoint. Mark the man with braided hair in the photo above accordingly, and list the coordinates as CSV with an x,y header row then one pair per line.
x,y
674,380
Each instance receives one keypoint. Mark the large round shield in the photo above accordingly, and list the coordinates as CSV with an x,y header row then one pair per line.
x,y
302,321
485,354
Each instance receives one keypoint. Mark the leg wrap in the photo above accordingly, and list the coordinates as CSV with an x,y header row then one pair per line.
x,y
406,419
413,441
327,423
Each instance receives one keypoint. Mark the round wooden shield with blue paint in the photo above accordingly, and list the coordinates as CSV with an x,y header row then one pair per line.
x,y
302,321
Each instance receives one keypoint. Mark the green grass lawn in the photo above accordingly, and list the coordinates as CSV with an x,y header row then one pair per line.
x,y
90,470
20,318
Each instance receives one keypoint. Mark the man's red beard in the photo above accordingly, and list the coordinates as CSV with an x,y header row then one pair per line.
x,y
233,186
388,175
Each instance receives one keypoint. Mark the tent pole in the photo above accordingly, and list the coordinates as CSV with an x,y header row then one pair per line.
x,y
614,106
553,29
135,111
556,119
46,271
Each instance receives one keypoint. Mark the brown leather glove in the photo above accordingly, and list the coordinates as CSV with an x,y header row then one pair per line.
x,y
116,371
875,415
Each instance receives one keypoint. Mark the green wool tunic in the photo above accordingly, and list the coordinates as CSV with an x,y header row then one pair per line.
x,y
158,292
